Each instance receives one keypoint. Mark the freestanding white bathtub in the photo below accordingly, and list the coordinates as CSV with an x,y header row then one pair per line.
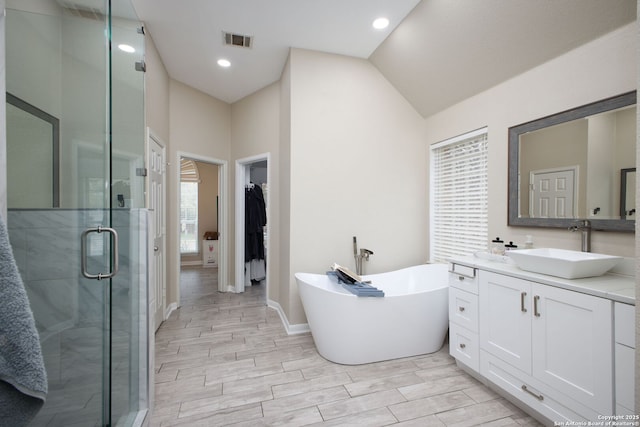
x,y
411,319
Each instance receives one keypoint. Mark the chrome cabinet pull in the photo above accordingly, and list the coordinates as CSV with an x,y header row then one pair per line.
x,y
536,298
537,396
463,275
522,307
83,253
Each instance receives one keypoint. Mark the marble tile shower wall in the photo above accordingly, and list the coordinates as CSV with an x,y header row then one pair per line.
x,y
70,309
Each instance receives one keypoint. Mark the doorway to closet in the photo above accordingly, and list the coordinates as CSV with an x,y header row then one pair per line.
x,y
252,222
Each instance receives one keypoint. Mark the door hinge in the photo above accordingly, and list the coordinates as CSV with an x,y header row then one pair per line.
x,y
141,171
141,66
140,30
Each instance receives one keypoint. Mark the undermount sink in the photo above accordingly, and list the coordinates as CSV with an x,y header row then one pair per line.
x,y
563,263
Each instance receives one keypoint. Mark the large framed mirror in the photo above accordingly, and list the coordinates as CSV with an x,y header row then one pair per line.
x,y
575,165
33,154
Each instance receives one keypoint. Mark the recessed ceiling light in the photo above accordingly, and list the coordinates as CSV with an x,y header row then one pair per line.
x,y
224,63
126,48
380,23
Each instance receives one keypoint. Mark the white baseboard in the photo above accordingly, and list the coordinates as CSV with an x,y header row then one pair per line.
x,y
170,308
299,328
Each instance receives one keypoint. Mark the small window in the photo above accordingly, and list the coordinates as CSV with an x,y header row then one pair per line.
x,y
459,203
189,241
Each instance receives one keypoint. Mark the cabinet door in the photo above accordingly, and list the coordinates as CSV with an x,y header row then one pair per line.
x,y
624,374
505,321
573,345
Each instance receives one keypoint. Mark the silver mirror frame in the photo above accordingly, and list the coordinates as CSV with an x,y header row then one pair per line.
x,y
514,219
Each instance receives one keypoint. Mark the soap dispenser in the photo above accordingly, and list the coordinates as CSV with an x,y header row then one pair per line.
x,y
497,247
510,246
528,244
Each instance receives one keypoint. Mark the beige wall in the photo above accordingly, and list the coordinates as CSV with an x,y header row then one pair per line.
x,y
255,131
156,81
198,125
597,70
357,169
284,265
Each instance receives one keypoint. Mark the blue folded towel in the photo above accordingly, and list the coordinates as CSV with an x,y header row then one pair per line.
x,y
358,288
23,379
363,290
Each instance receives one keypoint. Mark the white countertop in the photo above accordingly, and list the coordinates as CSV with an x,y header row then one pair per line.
x,y
616,287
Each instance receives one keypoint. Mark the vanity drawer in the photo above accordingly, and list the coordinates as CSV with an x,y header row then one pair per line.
x,y
463,277
463,345
528,391
463,309
625,324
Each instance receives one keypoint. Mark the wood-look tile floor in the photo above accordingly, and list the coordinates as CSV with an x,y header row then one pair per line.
x,y
225,359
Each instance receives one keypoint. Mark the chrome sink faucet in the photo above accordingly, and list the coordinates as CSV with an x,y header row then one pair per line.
x,y
363,255
584,225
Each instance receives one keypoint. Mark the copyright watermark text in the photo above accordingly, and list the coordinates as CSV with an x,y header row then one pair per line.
x,y
604,420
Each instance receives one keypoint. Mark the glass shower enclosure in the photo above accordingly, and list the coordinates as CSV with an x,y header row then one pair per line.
x,y
75,198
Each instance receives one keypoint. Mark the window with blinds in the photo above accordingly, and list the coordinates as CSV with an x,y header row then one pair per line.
x,y
189,180
459,181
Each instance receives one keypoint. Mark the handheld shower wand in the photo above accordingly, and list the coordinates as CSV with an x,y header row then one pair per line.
x,y
364,254
355,254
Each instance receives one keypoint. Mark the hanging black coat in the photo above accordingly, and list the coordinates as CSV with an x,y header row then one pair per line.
x,y
255,217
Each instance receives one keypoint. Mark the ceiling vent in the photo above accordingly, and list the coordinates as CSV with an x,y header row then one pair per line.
x,y
239,40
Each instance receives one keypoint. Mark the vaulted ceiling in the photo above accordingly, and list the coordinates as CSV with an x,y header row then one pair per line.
x,y
435,52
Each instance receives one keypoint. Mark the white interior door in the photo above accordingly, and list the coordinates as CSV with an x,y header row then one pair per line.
x,y
157,204
553,193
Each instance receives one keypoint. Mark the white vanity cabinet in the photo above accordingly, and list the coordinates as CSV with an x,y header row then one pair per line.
x,y
564,349
558,341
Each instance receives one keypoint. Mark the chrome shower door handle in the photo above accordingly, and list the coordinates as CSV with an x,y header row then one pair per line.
x,y
83,253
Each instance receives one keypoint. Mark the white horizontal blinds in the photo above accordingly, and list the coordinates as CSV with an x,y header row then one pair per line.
x,y
189,171
459,223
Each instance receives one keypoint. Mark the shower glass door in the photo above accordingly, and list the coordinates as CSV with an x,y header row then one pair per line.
x,y
75,143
